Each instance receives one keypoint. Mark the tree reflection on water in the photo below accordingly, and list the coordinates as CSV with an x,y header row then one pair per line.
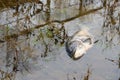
x,y
29,23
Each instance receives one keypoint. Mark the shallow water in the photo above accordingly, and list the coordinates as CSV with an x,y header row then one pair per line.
x,y
101,62
60,66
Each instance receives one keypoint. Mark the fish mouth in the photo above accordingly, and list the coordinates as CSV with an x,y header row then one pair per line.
x,y
72,50
71,54
74,58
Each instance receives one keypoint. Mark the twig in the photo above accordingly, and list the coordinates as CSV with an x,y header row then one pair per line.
x,y
27,31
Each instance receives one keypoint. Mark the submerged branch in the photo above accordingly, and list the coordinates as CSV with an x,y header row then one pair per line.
x,y
27,31
70,19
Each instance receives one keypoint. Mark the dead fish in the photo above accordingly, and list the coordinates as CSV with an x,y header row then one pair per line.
x,y
77,45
